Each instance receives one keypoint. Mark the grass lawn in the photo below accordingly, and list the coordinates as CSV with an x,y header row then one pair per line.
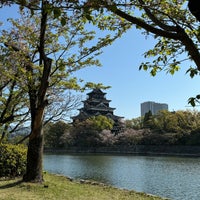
x,y
60,188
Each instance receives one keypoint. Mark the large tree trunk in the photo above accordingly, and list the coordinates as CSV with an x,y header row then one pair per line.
x,y
35,150
38,102
34,160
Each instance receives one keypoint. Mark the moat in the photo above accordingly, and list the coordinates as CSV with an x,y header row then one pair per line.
x,y
172,177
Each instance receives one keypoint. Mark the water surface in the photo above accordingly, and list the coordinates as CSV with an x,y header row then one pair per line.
x,y
173,177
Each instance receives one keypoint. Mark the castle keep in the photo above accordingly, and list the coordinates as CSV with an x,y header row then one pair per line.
x,y
97,104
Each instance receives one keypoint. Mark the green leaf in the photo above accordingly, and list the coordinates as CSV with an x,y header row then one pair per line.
x,y
88,17
56,12
153,72
192,72
144,66
173,69
191,101
63,21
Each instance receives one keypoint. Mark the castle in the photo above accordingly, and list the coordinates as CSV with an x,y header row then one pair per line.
x,y
97,104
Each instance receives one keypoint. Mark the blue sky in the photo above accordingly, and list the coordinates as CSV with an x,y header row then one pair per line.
x,y
129,86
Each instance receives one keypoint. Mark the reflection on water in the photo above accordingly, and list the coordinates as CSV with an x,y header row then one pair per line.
x,y
172,177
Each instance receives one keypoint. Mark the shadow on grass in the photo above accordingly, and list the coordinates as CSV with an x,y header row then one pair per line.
x,y
10,185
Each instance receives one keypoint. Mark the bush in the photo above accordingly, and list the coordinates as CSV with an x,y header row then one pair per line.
x,y
107,138
132,137
12,160
193,138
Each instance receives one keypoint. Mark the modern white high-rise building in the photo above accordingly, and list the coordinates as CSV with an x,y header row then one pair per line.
x,y
153,107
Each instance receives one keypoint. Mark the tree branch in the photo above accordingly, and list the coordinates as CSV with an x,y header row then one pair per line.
x,y
155,20
144,25
178,33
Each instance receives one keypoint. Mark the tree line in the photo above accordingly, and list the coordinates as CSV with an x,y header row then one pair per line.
x,y
165,128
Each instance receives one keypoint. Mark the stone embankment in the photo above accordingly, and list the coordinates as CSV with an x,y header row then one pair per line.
x,y
135,150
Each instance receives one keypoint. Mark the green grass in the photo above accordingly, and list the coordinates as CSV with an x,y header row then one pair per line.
x,y
60,188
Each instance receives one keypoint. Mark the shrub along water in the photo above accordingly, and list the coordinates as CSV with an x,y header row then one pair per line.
x,y
12,160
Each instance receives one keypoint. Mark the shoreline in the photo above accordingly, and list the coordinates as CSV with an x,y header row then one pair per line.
x,y
137,150
62,188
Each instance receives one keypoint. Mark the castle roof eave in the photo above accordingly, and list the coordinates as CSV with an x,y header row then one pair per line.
x,y
105,109
96,91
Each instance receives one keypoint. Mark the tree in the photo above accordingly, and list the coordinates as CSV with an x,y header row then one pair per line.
x,y
54,134
101,123
135,123
12,99
181,122
61,106
165,121
147,121
14,111
188,120
50,43
107,138
88,132
173,27
194,8
85,134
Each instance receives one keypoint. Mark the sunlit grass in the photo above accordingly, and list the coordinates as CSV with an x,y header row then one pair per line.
x,y
60,188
